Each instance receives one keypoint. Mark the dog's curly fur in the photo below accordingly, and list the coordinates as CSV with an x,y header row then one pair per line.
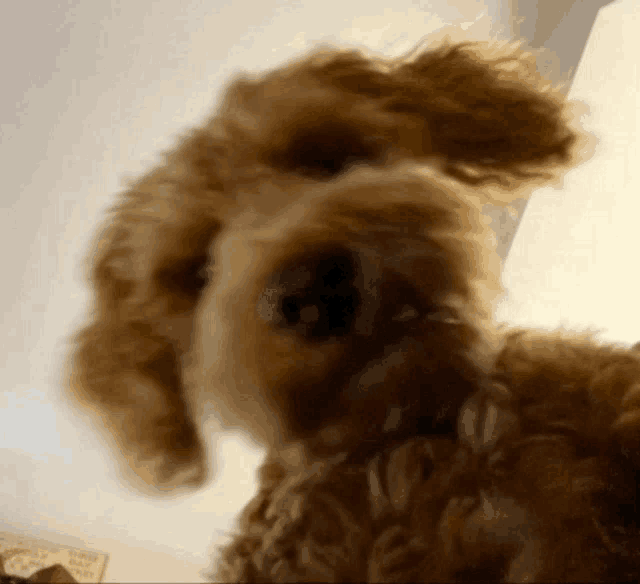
x,y
312,264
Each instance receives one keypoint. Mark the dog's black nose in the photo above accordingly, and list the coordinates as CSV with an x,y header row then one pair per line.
x,y
330,293
324,300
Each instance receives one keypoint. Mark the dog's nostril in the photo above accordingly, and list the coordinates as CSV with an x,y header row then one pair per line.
x,y
319,316
406,313
295,311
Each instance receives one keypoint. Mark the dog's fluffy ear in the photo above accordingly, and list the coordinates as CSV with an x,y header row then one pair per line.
x,y
478,109
490,114
147,269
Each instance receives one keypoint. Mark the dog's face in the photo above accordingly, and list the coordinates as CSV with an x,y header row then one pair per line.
x,y
311,263
323,318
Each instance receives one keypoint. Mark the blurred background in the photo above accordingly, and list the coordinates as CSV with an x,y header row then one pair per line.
x,y
94,90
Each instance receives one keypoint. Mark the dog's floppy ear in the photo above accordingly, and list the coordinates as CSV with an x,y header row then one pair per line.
x,y
480,109
490,114
146,269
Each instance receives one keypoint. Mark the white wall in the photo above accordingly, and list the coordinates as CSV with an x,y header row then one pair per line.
x,y
91,92
574,258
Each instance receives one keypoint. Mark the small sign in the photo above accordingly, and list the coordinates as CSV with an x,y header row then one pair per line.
x,y
22,556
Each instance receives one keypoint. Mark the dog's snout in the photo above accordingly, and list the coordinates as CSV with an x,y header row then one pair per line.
x,y
331,293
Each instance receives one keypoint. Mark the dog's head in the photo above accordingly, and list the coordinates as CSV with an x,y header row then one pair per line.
x,y
312,262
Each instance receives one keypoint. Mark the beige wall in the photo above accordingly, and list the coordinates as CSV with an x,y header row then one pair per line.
x,y
573,258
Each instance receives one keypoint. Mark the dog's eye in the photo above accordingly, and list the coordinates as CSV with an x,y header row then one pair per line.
x,y
316,298
184,281
325,151
489,569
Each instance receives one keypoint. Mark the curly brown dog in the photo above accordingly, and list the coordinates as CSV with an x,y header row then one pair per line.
x,y
312,266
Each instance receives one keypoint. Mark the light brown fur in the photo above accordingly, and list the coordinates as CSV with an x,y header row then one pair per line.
x,y
312,265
